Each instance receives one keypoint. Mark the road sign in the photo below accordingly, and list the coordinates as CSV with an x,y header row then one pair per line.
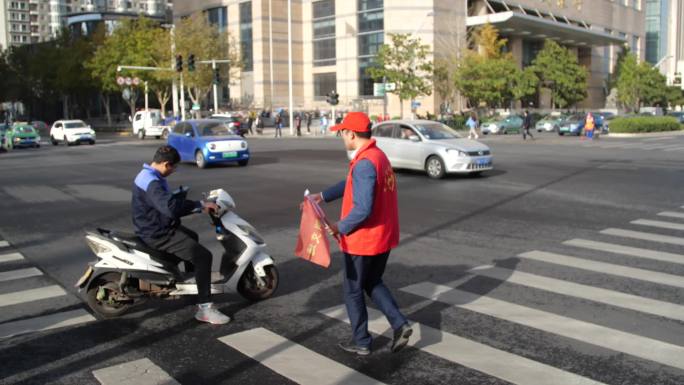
x,y
195,107
126,94
415,104
120,80
129,81
390,86
379,89
136,81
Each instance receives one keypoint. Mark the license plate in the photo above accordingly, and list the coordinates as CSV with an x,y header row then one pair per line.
x,y
231,154
482,162
85,277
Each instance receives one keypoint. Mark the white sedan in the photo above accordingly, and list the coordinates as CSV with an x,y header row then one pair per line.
x,y
431,146
71,132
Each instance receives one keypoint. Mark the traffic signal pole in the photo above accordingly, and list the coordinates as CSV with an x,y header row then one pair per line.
x,y
182,97
215,88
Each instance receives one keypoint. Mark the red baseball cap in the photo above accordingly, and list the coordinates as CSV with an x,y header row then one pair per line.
x,y
354,121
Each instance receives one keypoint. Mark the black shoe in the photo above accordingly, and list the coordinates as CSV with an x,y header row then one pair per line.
x,y
401,337
351,347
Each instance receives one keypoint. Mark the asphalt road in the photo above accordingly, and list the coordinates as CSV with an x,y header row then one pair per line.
x,y
564,265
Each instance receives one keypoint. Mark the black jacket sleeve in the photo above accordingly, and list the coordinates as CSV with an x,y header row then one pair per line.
x,y
171,205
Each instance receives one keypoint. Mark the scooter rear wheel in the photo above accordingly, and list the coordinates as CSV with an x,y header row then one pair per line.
x,y
105,304
248,286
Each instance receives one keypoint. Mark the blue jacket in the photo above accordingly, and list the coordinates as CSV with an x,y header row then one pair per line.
x,y
363,181
156,210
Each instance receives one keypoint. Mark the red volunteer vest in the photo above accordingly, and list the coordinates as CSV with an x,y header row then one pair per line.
x,y
379,233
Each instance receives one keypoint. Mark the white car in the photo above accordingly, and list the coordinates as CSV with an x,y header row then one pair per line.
x,y
431,146
71,132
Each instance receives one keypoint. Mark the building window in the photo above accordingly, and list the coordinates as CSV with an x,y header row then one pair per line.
x,y
635,44
324,84
371,38
246,36
324,51
218,17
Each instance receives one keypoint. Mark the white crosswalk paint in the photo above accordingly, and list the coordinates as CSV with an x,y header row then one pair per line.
x,y
52,321
591,293
11,257
19,274
660,224
644,236
627,250
17,297
675,149
139,372
672,214
4,244
606,268
608,338
292,360
485,359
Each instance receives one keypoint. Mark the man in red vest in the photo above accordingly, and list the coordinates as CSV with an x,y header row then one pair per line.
x,y
369,229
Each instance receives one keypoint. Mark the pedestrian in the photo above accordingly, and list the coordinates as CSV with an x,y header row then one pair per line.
x,y
298,124
308,122
250,121
527,124
324,124
473,124
368,230
278,125
589,126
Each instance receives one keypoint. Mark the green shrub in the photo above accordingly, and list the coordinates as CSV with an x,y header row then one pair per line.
x,y
644,124
374,118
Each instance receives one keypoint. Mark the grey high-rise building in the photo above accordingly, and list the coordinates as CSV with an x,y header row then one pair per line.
x,y
665,38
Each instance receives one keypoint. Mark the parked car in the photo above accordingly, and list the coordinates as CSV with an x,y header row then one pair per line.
x,y
268,118
506,125
679,115
431,146
207,141
549,123
71,132
233,122
21,135
149,123
573,125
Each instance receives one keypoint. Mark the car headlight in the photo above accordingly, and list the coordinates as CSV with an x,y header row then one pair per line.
x,y
250,232
455,152
243,144
17,139
212,146
38,138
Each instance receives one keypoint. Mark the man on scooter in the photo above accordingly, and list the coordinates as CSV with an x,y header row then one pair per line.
x,y
157,216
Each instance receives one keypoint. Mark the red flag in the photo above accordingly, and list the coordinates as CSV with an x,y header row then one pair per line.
x,y
312,243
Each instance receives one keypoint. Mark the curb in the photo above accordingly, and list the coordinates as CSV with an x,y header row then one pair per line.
x,y
647,134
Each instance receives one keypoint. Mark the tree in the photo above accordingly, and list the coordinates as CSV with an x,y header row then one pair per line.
x,y
405,63
640,84
558,70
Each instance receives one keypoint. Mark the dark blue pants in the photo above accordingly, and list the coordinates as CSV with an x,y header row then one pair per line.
x,y
363,274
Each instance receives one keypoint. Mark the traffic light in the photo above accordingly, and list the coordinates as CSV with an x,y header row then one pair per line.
x,y
179,63
191,63
217,77
333,98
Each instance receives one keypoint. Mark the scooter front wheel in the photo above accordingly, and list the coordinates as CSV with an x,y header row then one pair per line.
x,y
250,287
104,297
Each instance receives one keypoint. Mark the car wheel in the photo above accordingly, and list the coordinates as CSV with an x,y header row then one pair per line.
x,y
53,140
434,167
37,145
141,134
243,162
561,134
66,141
92,142
157,137
165,134
199,159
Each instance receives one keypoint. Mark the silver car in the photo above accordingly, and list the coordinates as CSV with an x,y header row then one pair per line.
x,y
430,146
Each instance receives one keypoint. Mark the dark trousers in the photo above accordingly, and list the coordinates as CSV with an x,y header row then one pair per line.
x,y
363,274
525,132
279,130
184,244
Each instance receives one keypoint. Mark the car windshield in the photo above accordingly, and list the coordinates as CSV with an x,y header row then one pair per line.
x,y
436,131
24,129
74,125
214,129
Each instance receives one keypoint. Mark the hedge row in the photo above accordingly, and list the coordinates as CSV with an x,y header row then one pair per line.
x,y
644,124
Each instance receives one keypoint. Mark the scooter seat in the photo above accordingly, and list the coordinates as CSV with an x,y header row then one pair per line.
x,y
134,242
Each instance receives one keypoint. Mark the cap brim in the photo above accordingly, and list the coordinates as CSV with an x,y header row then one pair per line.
x,y
338,127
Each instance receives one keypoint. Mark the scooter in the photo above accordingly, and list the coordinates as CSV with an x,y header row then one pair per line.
x,y
128,271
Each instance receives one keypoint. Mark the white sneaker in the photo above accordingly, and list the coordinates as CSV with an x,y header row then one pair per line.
x,y
206,312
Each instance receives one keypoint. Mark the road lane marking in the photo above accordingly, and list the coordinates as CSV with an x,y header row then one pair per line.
x,y
52,321
19,274
11,257
606,268
619,341
17,297
644,236
292,360
675,149
590,293
659,138
661,146
482,358
660,224
672,214
139,372
627,250
4,244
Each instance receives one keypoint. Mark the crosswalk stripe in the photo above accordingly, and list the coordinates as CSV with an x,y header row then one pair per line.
x,y
52,321
11,257
627,250
31,295
19,274
675,149
660,224
139,372
606,268
672,214
644,236
591,293
292,360
4,244
608,338
485,359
